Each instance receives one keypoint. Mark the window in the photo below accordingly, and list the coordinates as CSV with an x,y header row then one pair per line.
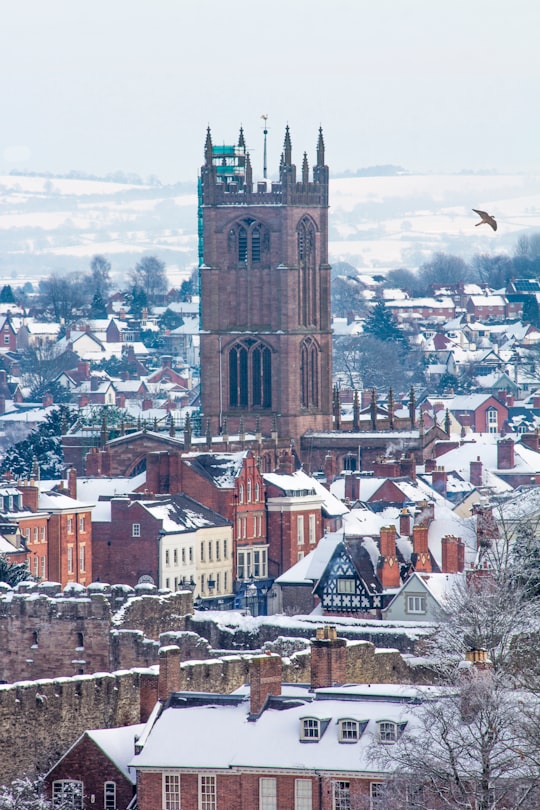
x,y
249,490
109,795
218,551
210,551
349,730
36,566
203,583
36,534
171,792
6,338
416,603
267,793
82,558
310,729
301,556
241,493
225,551
302,794
135,529
183,555
312,529
68,793
250,375
207,793
70,525
42,534
80,639
346,585
191,553
175,556
389,731
257,492
202,552
341,795
243,564
309,374
492,421
43,567
81,523
300,530
225,582
218,582
167,559
70,559
376,796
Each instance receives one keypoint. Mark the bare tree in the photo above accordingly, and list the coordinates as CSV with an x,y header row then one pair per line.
x,y
149,274
465,748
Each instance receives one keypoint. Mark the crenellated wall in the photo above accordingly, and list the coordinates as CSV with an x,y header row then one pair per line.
x,y
51,636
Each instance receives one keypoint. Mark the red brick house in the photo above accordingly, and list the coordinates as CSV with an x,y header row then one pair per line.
x,y
480,413
295,521
94,772
302,747
70,537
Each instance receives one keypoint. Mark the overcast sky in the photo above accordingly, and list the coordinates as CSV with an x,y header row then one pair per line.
x,y
430,85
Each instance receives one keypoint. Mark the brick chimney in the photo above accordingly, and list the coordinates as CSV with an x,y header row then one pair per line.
x,y
420,557
405,522
147,404
329,469
47,400
476,472
439,480
328,658
408,466
169,671
286,463
387,566
72,482
430,464
120,400
531,440
505,454
352,487
453,554
30,495
265,677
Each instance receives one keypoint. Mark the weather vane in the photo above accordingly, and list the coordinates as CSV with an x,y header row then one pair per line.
x,y
265,132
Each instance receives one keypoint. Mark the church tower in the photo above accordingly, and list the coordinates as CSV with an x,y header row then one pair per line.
x,y
266,346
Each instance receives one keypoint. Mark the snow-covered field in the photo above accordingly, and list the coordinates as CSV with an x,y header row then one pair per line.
x,y
376,223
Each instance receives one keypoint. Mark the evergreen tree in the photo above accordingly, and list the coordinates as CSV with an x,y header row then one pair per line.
x,y
13,573
44,442
382,325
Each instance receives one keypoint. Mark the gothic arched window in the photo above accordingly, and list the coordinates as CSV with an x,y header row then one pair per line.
x,y
309,374
250,375
305,235
248,242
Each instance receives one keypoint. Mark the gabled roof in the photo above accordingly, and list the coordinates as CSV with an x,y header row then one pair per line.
x,y
118,745
222,469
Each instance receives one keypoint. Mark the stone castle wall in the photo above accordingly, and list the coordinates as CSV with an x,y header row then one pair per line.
x,y
51,636
40,720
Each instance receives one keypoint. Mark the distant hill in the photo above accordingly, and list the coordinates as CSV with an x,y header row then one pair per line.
x,y
380,219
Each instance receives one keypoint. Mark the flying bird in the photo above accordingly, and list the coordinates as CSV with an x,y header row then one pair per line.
x,y
487,218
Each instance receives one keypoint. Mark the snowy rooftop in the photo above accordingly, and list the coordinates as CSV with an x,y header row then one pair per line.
x,y
221,737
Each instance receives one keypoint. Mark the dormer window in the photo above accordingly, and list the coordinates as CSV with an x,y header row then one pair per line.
x,y
310,729
389,732
350,730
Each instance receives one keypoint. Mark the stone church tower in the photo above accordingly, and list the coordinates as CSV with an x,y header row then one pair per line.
x,y
266,350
